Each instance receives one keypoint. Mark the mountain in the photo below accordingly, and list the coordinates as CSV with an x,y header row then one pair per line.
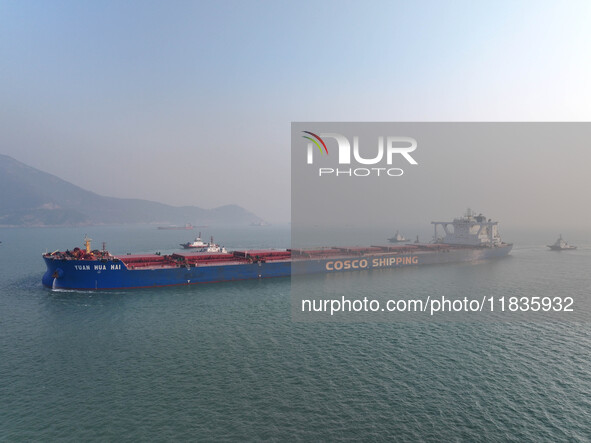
x,y
30,197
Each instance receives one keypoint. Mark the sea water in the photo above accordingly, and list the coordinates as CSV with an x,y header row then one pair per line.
x,y
226,362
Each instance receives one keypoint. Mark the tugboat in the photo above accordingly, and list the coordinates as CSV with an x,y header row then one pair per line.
x,y
561,245
397,238
213,247
200,246
198,243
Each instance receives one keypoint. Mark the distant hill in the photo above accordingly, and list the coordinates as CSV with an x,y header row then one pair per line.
x,y
30,197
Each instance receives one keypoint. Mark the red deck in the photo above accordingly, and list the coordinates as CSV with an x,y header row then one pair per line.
x,y
199,259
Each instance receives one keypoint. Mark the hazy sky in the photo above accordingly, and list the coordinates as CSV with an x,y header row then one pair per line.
x,y
190,103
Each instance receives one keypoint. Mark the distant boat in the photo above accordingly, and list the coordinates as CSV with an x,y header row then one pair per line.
x,y
259,223
186,227
561,245
397,238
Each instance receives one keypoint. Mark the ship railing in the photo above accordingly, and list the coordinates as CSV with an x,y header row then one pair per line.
x,y
400,248
316,253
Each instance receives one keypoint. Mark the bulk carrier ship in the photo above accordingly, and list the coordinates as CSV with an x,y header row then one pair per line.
x,y
467,238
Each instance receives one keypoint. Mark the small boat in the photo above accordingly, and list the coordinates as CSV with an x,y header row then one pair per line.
x,y
198,243
200,246
561,245
212,247
397,238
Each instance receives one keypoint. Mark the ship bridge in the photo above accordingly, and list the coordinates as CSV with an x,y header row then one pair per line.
x,y
471,230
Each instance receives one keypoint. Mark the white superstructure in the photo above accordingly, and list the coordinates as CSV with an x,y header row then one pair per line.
x,y
213,247
198,243
200,246
472,230
397,238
